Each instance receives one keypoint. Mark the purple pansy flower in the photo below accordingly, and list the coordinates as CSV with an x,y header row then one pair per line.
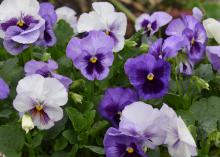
x,y
186,67
143,122
149,76
119,145
194,34
114,101
48,13
20,24
167,48
4,89
152,23
213,54
46,70
42,98
92,55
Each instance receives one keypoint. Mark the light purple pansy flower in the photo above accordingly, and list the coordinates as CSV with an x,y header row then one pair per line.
x,y
4,89
105,18
117,144
149,76
92,55
152,23
213,54
186,67
20,24
42,98
197,13
166,48
178,138
46,70
194,34
114,101
143,122
48,13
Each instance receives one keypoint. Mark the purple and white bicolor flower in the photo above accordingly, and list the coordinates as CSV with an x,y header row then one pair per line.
x,y
47,38
20,24
143,122
178,138
213,54
47,70
152,23
4,89
167,48
105,18
42,99
92,55
118,144
69,15
194,34
149,76
186,67
114,101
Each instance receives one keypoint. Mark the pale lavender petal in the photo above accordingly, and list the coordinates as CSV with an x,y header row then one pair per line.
x,y
197,13
213,54
4,89
176,27
162,18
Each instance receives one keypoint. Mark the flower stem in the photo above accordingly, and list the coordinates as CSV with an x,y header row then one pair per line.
x,y
122,8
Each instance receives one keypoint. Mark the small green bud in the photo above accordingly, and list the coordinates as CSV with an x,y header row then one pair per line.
x,y
77,98
200,83
77,84
46,57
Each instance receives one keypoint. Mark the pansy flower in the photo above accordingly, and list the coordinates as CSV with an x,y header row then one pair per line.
x,y
149,76
69,15
194,34
213,54
166,48
143,122
20,24
4,89
186,67
105,18
92,55
47,12
42,99
119,145
152,23
46,69
114,101
178,138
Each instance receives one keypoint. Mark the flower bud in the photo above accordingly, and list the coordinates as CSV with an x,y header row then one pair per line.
x,y
77,98
200,83
27,123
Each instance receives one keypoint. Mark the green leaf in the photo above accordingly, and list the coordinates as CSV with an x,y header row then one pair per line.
x,y
60,144
205,72
11,140
5,113
70,136
37,139
96,149
206,112
187,116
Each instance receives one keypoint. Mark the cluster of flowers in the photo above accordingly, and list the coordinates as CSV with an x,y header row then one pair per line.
x,y
137,126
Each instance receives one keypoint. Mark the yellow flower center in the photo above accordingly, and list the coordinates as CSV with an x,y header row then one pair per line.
x,y
193,41
150,76
107,32
93,59
130,150
20,23
39,107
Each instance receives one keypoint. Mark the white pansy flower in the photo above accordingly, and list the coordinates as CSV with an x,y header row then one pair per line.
x,y
105,18
42,98
212,28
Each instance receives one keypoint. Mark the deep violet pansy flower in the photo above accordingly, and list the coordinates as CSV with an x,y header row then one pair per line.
x,y
213,54
48,13
143,122
149,76
166,48
114,101
20,24
117,144
194,34
152,23
4,89
46,69
105,18
42,99
92,55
